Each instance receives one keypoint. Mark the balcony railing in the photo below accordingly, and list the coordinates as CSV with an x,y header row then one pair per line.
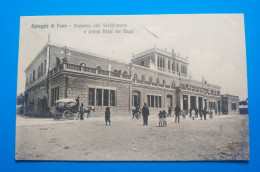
x,y
88,70
119,75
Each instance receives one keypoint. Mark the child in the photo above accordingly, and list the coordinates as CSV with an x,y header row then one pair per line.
x,y
160,118
164,115
193,114
107,115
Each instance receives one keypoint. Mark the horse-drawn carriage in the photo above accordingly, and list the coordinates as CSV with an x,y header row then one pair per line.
x,y
66,109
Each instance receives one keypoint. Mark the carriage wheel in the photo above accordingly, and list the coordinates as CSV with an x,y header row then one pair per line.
x,y
76,116
66,114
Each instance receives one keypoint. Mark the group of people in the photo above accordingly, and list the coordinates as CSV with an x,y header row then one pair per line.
x,y
144,111
194,113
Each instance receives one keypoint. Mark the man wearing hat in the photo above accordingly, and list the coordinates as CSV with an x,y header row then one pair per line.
x,y
145,113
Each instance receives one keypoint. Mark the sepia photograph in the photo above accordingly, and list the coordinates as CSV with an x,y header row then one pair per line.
x,y
132,88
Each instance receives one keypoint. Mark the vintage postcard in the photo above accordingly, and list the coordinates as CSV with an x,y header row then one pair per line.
x,y
132,88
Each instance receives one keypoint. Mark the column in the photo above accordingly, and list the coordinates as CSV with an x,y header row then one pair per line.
x,y
155,60
102,92
95,98
47,60
197,102
159,62
130,98
202,103
108,103
165,64
170,66
188,102
181,101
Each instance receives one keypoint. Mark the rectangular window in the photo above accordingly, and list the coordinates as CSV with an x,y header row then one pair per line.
x,y
30,78
54,95
91,98
173,66
112,98
33,75
148,101
41,73
105,97
99,97
152,101
233,106
39,70
44,71
156,101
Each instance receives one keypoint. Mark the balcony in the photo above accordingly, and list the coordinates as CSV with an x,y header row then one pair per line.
x,y
84,69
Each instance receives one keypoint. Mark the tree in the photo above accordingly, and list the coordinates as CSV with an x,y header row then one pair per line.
x,y
20,99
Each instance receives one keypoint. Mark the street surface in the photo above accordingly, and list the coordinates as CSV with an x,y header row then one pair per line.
x,y
224,137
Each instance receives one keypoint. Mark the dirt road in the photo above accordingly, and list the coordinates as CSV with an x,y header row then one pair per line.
x,y
220,138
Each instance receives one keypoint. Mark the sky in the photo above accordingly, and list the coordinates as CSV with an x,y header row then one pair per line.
x,y
213,43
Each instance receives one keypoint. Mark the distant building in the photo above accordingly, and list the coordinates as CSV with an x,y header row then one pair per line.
x,y
243,106
155,76
230,104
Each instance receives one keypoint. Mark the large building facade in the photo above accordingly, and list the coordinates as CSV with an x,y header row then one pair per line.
x,y
156,77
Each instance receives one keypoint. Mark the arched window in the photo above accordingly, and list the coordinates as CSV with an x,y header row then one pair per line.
x,y
173,83
143,78
83,64
164,82
57,61
99,68
173,66
135,76
150,79
157,81
142,63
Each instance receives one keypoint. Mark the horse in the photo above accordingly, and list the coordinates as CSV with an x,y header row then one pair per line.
x,y
136,112
88,110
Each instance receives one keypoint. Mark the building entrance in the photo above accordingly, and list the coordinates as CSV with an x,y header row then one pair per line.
x,y
169,101
192,102
135,98
218,106
200,104
185,102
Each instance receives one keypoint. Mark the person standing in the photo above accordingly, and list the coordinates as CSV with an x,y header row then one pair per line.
x,y
196,113
201,114
177,113
193,114
145,113
204,113
81,111
107,116
77,102
216,111
170,111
